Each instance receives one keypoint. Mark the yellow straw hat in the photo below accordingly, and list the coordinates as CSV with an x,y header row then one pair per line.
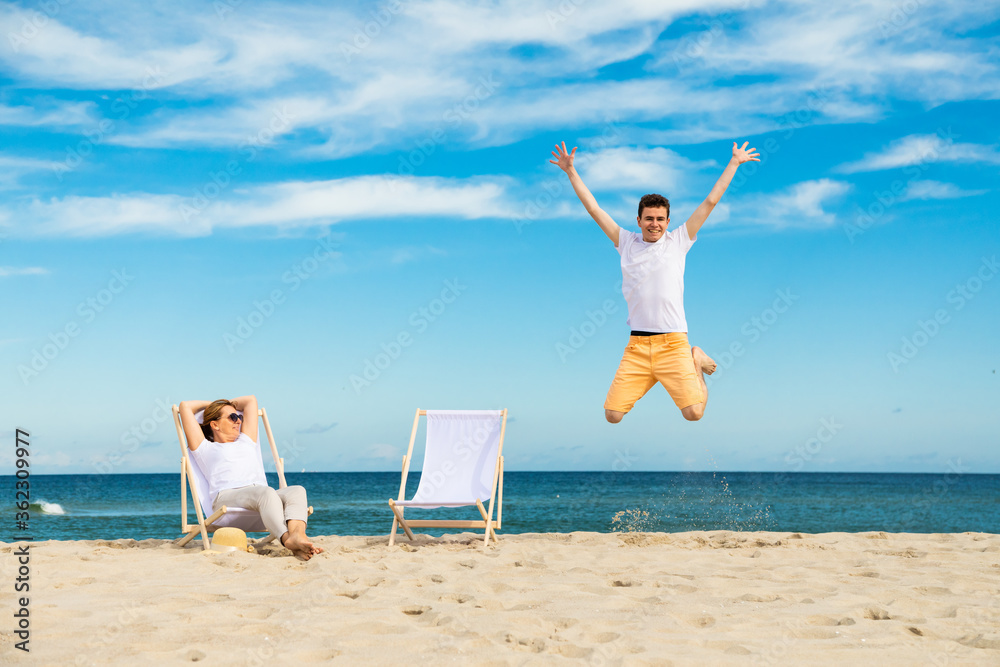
x,y
230,539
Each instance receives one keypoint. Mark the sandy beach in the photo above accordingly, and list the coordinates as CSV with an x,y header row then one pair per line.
x,y
602,599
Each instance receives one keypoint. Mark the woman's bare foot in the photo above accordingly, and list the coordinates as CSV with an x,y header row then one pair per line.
x,y
300,545
703,361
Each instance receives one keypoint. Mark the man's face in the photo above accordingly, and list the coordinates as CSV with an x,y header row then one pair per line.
x,y
653,223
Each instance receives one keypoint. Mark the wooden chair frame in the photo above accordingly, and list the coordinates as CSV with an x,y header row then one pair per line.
x,y
205,524
490,526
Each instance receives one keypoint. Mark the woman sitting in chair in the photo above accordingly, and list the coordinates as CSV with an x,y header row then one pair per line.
x,y
225,448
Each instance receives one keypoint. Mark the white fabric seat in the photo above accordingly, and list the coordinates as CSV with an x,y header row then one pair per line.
x,y
463,466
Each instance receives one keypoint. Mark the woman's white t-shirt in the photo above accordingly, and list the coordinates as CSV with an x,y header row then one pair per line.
x,y
653,280
230,465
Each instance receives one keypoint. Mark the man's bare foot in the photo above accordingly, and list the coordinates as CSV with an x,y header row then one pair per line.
x,y
300,546
703,361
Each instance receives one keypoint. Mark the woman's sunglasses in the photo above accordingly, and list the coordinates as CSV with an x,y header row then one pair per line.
x,y
235,417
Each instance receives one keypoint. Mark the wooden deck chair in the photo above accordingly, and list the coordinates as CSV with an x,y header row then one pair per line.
x,y
463,466
209,521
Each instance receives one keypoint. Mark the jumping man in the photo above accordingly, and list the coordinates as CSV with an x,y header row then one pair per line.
x,y
653,285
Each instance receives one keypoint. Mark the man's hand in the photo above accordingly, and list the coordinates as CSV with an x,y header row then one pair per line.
x,y
741,155
563,159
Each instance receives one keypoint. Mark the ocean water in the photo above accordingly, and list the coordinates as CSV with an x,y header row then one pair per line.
x,y
69,507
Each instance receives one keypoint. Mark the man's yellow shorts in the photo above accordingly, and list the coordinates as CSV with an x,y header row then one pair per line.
x,y
664,358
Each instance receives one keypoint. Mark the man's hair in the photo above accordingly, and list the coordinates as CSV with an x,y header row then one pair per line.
x,y
654,201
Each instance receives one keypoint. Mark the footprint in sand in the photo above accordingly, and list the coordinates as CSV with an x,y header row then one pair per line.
x,y
702,621
822,620
533,644
353,595
623,583
736,649
563,623
753,597
573,651
876,614
679,588
415,610
210,597
978,641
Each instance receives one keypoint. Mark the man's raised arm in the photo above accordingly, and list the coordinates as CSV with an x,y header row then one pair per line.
x,y
740,155
564,161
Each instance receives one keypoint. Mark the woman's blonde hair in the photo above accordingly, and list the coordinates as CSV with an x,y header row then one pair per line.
x,y
213,413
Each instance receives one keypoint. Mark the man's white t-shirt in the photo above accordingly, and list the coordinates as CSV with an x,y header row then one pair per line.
x,y
653,280
230,465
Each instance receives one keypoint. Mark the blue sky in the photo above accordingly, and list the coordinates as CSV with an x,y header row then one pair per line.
x,y
199,201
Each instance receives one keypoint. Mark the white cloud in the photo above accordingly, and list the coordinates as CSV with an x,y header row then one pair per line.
x,y
653,169
800,205
6,271
353,92
937,190
846,46
57,54
281,205
49,113
922,149
12,167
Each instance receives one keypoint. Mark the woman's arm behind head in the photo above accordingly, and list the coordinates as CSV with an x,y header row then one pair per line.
x,y
192,429
248,406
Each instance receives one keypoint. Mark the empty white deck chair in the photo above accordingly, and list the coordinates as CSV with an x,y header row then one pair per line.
x,y
463,466
209,521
